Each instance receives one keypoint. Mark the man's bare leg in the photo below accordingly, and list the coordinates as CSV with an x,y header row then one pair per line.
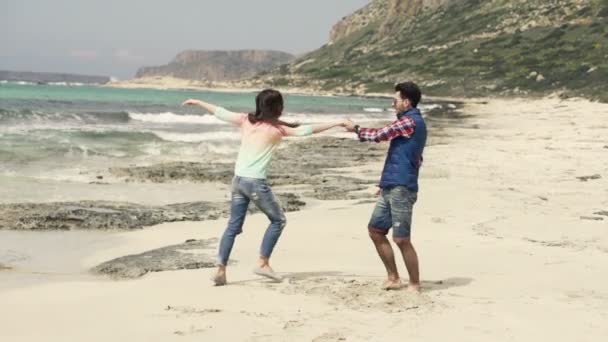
x,y
385,251
410,257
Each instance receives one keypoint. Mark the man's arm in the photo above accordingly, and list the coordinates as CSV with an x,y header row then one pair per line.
x,y
401,128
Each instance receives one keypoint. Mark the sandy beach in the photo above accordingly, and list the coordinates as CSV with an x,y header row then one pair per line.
x,y
243,86
164,82
511,227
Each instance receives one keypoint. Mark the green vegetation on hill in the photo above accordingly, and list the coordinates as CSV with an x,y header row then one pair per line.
x,y
468,48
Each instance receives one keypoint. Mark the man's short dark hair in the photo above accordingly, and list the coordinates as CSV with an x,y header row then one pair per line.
x,y
409,90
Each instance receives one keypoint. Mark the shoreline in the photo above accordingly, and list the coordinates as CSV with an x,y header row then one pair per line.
x,y
170,83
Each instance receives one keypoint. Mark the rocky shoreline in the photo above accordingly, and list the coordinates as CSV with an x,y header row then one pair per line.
x,y
299,163
313,166
188,255
105,215
302,170
304,163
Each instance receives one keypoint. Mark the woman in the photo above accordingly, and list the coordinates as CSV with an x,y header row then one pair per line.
x,y
261,132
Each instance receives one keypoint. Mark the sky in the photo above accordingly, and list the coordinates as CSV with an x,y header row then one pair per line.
x,y
115,37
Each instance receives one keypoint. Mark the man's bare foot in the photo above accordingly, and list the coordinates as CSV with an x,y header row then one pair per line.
x,y
391,285
414,288
220,278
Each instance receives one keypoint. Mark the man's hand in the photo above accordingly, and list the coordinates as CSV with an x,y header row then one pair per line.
x,y
378,192
349,125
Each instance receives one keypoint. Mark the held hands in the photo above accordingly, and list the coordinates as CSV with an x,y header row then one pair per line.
x,y
348,125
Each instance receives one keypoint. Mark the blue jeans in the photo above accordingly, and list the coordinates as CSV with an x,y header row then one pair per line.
x,y
394,210
245,190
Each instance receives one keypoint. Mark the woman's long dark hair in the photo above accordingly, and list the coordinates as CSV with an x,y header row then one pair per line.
x,y
268,108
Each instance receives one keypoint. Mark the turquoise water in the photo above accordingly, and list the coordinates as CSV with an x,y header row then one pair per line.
x,y
46,129
46,97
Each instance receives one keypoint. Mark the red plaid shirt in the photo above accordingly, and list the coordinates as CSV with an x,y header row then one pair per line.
x,y
403,127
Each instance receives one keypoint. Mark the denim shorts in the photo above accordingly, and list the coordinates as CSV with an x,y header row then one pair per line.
x,y
394,210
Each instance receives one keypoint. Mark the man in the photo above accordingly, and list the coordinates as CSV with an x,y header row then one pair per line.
x,y
399,183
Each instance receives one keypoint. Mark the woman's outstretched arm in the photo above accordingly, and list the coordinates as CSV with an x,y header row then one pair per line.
x,y
219,112
305,130
327,126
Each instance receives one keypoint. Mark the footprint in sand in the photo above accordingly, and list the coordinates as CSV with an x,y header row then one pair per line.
x,y
191,311
330,336
192,330
357,294
292,325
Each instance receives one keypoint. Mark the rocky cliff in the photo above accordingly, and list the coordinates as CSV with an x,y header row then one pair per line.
x,y
461,48
217,65
47,77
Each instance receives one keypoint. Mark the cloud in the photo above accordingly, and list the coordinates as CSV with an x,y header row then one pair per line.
x,y
127,55
84,53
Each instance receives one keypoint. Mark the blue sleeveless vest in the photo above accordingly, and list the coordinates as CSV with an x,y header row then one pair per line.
x,y
405,156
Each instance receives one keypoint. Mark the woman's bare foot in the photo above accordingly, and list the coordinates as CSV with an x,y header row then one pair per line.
x,y
391,285
220,277
265,270
268,272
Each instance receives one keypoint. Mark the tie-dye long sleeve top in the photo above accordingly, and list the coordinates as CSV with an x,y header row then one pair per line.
x,y
258,142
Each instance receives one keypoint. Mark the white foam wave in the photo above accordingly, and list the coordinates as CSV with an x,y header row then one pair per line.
x,y
197,151
169,117
69,84
430,106
198,137
373,110
323,118
172,118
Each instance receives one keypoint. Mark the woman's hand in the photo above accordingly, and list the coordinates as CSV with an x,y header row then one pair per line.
x,y
191,102
208,106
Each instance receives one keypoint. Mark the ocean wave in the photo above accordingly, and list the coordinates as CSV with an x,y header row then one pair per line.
x,y
54,145
50,144
67,84
173,118
431,106
422,107
28,116
105,117
61,84
170,117
188,151
63,102
197,137
111,136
